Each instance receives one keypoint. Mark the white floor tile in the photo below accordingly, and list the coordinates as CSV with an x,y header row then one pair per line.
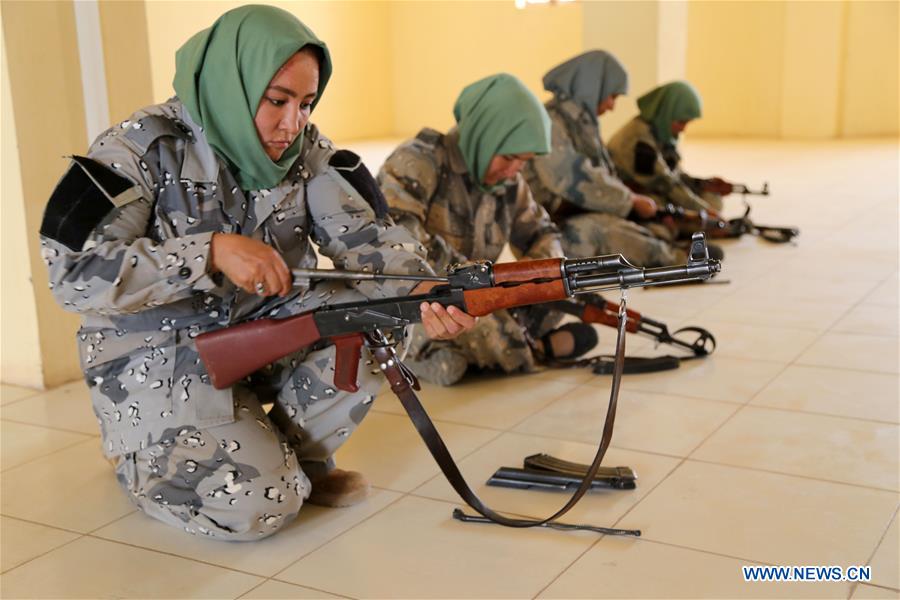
x,y
21,541
22,443
796,314
854,351
496,402
871,592
389,451
839,392
92,568
714,378
644,421
787,285
860,452
757,341
633,568
278,590
13,393
764,517
66,407
72,489
885,294
314,527
873,319
886,562
414,549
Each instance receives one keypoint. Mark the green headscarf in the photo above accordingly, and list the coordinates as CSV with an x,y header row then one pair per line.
x,y
498,115
221,74
588,79
676,101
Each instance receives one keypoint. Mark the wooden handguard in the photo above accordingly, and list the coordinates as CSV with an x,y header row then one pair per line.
x,y
527,270
232,353
609,315
486,300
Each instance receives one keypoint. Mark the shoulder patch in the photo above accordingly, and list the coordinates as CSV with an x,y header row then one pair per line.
x,y
429,136
146,130
83,197
644,159
351,167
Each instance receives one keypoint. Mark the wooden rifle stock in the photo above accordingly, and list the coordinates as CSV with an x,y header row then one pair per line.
x,y
232,353
608,315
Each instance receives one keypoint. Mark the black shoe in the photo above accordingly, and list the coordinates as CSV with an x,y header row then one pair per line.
x,y
585,338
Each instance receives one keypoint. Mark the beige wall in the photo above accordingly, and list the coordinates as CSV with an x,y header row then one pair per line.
x,y
48,115
734,59
817,69
358,102
20,350
870,80
648,37
440,47
126,54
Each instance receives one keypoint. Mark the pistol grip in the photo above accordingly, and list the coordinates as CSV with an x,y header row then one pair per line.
x,y
346,361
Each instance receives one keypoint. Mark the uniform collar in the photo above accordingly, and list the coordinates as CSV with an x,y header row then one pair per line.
x,y
454,154
200,163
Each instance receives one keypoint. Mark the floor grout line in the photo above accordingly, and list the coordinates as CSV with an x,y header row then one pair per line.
x,y
875,550
50,427
7,470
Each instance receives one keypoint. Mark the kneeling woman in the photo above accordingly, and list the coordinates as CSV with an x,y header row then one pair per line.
x,y
462,195
577,181
186,218
645,150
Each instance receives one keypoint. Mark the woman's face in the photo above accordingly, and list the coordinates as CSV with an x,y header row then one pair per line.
x,y
607,105
505,166
285,105
679,126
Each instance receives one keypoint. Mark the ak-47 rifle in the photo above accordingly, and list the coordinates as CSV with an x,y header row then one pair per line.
x,y
233,353
685,222
593,308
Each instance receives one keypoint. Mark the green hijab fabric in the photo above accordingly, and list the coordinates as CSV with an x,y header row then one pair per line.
x,y
221,74
588,79
676,101
498,115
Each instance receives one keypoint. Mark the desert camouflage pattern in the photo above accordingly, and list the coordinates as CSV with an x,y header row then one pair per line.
x,y
656,170
578,185
429,190
578,170
142,283
594,234
247,479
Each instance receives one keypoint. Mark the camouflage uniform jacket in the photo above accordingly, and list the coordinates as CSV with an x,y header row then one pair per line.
x,y
429,190
141,277
653,169
578,175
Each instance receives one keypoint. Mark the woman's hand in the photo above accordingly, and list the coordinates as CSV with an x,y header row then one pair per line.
x,y
251,265
644,206
442,323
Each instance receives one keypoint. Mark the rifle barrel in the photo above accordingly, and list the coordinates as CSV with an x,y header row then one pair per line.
x,y
359,276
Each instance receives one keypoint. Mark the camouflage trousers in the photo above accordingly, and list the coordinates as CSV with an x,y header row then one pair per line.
x,y
247,479
594,234
498,341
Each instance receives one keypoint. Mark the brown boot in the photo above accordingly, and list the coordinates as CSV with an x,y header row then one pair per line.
x,y
339,488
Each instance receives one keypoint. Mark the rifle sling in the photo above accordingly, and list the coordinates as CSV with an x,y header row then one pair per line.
x,y
400,385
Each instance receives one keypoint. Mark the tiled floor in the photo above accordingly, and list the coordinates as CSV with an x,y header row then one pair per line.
x,y
781,449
